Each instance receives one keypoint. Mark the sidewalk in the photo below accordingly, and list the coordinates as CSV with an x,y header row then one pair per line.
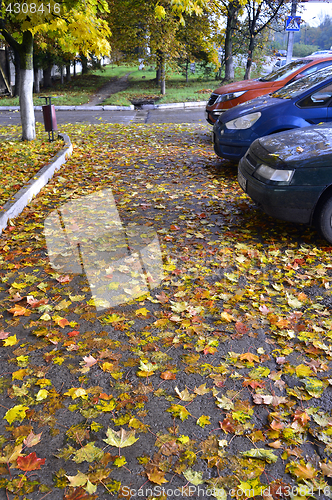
x,y
214,384
85,107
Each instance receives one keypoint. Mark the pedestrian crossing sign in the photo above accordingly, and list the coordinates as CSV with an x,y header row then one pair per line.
x,y
293,23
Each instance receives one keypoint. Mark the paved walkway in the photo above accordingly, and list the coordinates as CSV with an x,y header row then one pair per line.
x,y
112,87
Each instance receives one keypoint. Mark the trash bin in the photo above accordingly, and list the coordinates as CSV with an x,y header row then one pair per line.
x,y
49,117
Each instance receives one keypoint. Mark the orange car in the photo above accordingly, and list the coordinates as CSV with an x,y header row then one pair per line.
x,y
230,95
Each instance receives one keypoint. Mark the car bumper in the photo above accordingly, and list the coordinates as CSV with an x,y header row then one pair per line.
x,y
231,149
287,202
213,115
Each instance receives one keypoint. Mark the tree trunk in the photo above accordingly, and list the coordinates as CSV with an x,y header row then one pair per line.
x,y
36,81
187,69
74,72
61,75
163,75
17,72
84,61
232,13
8,70
158,70
229,67
68,75
47,77
26,88
249,58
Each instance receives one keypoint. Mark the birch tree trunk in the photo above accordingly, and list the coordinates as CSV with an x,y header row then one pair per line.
x,y
232,13
36,83
26,88
163,75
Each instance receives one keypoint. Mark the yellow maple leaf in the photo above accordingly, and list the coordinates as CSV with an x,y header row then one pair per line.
x,y
143,311
303,371
228,317
10,341
157,476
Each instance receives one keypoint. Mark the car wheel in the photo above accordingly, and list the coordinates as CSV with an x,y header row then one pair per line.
x,y
324,220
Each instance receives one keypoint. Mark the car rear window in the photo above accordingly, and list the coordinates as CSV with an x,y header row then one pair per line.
x,y
285,71
297,87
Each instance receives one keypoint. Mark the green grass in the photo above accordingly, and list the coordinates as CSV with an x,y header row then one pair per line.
x,y
78,91
142,86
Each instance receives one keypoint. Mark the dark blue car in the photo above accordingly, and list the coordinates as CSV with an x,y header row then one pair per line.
x,y
307,101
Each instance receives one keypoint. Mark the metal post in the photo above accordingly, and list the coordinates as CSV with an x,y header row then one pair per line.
x,y
290,41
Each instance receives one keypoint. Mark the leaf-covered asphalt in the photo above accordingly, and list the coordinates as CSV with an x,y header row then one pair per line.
x,y
213,385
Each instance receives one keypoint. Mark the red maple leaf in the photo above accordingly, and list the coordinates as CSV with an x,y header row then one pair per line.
x,y
30,462
78,494
226,425
241,327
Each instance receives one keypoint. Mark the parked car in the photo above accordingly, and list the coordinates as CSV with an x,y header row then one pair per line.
x,y
289,176
231,95
301,103
321,52
281,53
279,63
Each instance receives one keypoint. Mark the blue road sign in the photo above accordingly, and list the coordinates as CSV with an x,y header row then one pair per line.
x,y
293,23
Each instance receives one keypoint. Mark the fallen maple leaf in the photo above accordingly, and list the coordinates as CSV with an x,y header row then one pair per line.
x,y
62,322
74,333
19,311
30,462
163,298
3,335
32,439
248,356
121,438
157,476
168,375
64,279
269,400
241,327
89,360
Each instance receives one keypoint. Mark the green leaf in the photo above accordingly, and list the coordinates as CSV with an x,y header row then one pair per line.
x,y
88,453
179,411
260,453
121,438
314,386
203,421
193,477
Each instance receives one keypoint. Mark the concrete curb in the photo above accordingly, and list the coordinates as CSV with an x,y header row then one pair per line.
x,y
193,104
20,200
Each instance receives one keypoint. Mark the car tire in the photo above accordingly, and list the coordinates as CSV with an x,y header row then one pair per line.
x,y
324,220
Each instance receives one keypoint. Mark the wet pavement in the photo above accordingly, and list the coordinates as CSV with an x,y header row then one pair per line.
x,y
169,115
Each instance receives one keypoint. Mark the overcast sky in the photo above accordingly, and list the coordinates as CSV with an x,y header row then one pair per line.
x,y
314,12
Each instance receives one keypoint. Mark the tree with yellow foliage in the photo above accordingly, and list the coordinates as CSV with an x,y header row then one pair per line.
x,y
76,25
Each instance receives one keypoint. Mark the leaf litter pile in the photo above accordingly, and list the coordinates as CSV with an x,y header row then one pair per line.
x,y
216,383
20,161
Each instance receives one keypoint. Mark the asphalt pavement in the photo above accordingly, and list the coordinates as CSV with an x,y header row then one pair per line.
x,y
168,115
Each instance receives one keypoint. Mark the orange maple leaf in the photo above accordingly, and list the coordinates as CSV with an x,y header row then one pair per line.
x,y
30,462
168,375
61,321
19,311
157,476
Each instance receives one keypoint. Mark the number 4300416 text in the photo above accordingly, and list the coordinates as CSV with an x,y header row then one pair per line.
x,y
32,8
